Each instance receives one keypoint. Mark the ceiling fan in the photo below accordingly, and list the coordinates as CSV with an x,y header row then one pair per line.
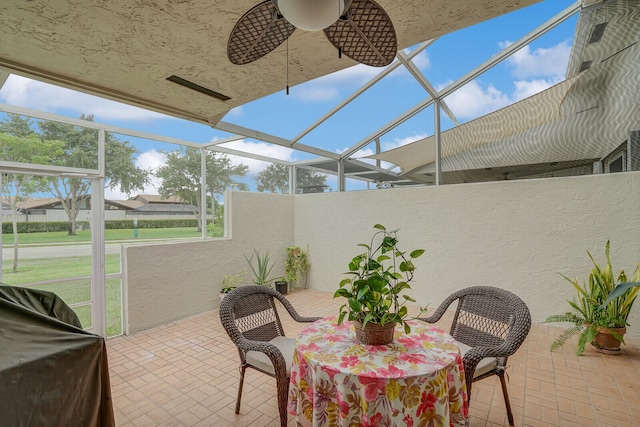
x,y
359,29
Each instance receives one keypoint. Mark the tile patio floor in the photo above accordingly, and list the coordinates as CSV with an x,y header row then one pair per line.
x,y
185,374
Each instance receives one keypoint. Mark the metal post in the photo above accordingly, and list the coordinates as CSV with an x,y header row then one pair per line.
x,y
341,178
293,179
203,192
1,223
98,277
436,125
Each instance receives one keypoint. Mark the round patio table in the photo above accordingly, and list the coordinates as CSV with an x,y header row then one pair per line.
x,y
417,380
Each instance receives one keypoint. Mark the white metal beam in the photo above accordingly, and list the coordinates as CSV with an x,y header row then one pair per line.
x,y
98,278
424,82
386,128
47,170
261,136
361,90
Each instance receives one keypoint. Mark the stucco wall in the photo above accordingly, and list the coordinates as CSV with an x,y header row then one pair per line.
x,y
516,235
166,282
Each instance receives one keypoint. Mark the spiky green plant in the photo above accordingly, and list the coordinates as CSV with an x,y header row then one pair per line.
x,y
261,269
592,308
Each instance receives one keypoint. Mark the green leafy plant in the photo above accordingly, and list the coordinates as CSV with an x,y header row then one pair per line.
x,y
232,281
379,278
297,264
596,305
261,268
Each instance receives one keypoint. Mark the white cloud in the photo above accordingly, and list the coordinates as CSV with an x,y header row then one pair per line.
x,y
535,70
399,142
262,148
150,160
422,61
27,93
524,89
472,100
541,62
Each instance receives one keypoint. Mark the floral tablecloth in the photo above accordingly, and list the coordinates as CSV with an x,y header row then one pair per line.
x,y
417,380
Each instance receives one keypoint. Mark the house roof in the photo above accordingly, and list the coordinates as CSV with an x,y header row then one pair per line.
x,y
158,199
36,202
125,204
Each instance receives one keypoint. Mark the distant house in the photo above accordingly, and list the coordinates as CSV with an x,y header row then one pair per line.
x,y
143,205
152,204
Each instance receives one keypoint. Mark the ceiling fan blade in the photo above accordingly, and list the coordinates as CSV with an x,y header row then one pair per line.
x,y
257,33
365,34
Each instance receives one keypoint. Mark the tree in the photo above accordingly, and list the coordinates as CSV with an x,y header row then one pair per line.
x,y
19,143
275,178
81,151
181,176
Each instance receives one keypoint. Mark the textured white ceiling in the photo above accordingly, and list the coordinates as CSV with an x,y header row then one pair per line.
x,y
126,49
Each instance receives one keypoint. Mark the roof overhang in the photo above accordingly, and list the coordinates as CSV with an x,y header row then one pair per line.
x,y
128,51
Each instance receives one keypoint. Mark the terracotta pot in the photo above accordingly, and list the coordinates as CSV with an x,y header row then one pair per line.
x,y
374,334
605,342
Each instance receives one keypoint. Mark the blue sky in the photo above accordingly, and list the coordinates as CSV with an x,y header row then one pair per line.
x,y
530,70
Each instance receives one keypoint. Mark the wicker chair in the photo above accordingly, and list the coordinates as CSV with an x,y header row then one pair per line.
x,y
249,316
489,324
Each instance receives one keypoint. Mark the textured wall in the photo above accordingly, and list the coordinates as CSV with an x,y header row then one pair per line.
x,y
166,282
516,235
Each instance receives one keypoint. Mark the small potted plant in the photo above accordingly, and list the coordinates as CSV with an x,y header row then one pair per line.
x,y
261,267
230,282
297,264
281,285
598,315
375,292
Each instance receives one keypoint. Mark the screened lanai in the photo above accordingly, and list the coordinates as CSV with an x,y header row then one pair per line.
x,y
133,54
512,195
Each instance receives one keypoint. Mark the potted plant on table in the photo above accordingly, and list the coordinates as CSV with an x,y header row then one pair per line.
x,y
375,292
261,267
600,309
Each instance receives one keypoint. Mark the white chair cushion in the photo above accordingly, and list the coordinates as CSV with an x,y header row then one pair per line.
x,y
262,361
485,365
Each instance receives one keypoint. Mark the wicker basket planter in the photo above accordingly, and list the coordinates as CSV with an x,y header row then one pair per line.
x,y
374,334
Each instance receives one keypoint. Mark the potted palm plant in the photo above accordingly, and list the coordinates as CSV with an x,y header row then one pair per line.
x,y
375,290
600,309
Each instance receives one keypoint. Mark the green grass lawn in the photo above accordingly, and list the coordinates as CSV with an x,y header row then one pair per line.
x,y
79,290
72,291
61,237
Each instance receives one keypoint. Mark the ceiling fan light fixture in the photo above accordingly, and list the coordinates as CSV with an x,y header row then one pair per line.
x,y
311,15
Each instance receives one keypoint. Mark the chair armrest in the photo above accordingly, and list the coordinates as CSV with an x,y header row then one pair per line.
x,y
480,352
292,311
305,319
